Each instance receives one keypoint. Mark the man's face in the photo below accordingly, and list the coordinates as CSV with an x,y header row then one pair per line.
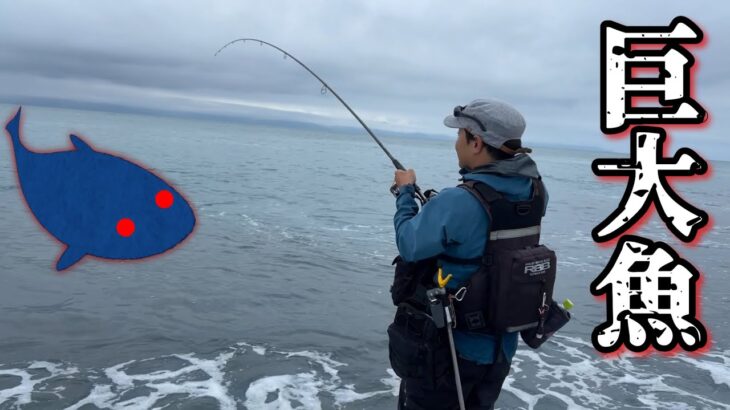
x,y
462,148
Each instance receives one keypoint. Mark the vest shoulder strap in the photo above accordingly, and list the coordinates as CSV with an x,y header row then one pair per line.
x,y
486,195
483,193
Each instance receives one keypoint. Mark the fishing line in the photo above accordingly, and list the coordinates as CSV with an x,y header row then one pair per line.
x,y
324,90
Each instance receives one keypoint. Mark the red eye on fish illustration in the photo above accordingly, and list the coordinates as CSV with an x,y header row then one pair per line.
x,y
164,199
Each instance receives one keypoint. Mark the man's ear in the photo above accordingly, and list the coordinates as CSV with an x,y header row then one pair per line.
x,y
478,143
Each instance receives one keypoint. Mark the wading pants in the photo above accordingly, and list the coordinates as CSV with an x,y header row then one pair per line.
x,y
481,384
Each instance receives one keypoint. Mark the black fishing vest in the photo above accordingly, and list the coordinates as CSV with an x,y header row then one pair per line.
x,y
513,286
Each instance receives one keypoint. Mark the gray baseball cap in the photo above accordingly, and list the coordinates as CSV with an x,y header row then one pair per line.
x,y
494,121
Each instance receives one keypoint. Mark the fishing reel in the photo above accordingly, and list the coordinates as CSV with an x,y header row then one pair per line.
x,y
422,197
430,193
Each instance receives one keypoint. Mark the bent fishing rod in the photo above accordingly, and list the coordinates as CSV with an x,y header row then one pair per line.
x,y
422,198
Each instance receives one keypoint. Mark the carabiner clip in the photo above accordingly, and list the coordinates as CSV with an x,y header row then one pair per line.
x,y
459,295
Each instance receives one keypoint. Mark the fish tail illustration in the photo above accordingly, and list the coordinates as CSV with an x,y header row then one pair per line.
x,y
69,257
13,129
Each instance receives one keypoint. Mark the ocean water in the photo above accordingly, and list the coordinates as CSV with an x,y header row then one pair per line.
x,y
280,298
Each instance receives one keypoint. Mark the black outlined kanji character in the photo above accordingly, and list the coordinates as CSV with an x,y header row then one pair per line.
x,y
672,86
651,299
647,171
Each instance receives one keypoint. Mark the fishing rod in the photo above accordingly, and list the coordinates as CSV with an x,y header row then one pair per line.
x,y
422,198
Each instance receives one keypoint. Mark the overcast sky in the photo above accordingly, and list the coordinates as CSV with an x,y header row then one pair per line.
x,y
402,65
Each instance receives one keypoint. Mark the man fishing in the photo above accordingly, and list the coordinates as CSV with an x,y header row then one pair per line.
x,y
481,252
454,227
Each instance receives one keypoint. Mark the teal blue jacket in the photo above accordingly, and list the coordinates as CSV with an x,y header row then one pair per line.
x,y
454,223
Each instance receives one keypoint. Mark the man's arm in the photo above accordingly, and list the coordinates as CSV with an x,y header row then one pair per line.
x,y
419,235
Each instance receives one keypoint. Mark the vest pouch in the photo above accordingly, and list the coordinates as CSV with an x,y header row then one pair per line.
x,y
525,280
407,277
416,348
556,318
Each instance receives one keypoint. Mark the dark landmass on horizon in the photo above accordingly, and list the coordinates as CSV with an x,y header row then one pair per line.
x,y
246,119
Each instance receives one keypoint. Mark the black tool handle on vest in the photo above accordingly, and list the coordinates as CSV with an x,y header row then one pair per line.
x,y
436,297
438,314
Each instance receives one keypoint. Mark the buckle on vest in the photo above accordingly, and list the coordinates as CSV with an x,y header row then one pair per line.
x,y
474,320
523,209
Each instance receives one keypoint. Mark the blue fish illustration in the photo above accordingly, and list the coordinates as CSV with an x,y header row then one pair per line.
x,y
99,204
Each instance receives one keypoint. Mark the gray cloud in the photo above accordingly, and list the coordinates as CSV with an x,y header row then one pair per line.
x,y
402,66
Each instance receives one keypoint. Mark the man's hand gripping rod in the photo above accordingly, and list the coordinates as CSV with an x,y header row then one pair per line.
x,y
394,189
